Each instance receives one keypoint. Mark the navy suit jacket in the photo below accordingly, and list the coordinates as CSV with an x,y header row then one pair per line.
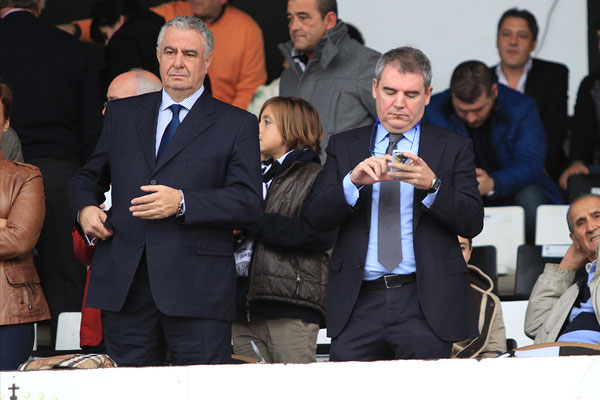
x,y
214,158
442,279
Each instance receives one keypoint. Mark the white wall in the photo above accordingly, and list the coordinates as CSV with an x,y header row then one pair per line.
x,y
452,31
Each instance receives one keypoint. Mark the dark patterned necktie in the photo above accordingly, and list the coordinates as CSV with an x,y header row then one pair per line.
x,y
389,239
170,129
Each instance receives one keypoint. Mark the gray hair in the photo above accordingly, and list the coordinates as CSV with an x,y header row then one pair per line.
x,y
405,60
27,4
577,200
189,23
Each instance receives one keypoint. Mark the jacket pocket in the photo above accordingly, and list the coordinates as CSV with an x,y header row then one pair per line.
x,y
208,247
456,265
25,295
335,263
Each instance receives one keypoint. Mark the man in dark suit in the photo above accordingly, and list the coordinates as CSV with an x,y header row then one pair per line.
x,y
57,115
164,272
398,286
545,81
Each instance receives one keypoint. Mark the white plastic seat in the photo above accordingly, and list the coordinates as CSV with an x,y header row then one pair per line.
x,y
67,331
513,313
551,225
504,228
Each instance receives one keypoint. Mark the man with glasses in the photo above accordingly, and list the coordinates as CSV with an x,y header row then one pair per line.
x,y
398,284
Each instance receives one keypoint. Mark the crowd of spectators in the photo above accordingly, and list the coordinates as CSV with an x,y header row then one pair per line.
x,y
182,159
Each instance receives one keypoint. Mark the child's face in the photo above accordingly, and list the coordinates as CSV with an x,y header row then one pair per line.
x,y
271,141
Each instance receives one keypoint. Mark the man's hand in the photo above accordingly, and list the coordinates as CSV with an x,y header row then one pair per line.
x,y
370,171
574,258
416,172
162,202
3,223
486,183
91,219
576,168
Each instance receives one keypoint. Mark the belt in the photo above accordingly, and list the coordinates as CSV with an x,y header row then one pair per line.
x,y
389,282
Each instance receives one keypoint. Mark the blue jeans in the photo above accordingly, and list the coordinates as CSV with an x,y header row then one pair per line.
x,y
16,343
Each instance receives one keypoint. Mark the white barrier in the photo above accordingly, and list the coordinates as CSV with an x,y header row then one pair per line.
x,y
527,378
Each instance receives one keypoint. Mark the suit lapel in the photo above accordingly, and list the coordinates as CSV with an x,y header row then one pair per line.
x,y
145,121
430,150
198,120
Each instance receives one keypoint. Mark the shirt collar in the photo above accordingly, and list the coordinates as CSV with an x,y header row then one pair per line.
x,y
590,267
188,102
521,85
408,135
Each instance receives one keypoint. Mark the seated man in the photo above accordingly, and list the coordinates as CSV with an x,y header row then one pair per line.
x,y
560,310
508,139
545,81
491,341
585,131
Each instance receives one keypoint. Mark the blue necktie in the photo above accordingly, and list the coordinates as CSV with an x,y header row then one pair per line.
x,y
170,129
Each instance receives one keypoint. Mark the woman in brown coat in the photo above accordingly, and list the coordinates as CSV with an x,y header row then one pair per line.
x,y
21,216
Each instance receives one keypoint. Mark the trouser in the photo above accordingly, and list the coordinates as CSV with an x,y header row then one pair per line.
x,y
16,343
140,335
279,340
388,324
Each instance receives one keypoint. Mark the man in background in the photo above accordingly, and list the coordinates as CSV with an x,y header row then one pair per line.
x,y
57,115
328,68
545,81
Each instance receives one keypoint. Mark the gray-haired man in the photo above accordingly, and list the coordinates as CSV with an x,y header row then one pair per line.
x,y
184,172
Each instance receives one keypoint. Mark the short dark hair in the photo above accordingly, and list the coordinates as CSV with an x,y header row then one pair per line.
x,y
7,99
28,4
325,6
470,79
524,14
577,200
406,60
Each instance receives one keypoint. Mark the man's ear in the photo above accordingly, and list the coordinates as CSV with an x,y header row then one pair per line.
x,y
494,90
330,19
374,91
575,242
533,46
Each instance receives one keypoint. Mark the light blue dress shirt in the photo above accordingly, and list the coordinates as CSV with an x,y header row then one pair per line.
x,y
165,114
373,269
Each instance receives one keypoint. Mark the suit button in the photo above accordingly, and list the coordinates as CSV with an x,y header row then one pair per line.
x,y
153,182
359,266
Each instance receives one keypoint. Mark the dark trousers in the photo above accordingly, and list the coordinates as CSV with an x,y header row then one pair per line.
x,y
61,275
16,343
388,324
140,335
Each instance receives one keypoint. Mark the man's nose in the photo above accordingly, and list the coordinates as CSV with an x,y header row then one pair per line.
x,y
399,100
471,118
178,59
293,24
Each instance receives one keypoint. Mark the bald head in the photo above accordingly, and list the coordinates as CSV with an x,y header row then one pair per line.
x,y
133,83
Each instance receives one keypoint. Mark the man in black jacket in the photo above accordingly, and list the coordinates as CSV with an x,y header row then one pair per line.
x,y
58,120
545,81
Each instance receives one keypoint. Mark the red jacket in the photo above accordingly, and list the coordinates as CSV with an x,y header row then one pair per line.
x,y
90,333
